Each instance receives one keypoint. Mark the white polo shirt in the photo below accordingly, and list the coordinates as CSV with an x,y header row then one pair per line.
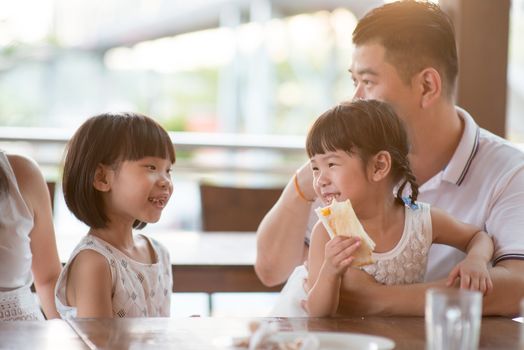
x,y
483,185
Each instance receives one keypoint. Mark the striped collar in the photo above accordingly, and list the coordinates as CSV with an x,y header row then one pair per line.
x,y
458,166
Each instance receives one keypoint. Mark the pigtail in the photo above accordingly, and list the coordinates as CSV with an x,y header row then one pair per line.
x,y
408,177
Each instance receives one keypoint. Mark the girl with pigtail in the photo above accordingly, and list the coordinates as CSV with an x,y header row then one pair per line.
x,y
359,151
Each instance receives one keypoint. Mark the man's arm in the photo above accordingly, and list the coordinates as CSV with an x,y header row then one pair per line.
x,y
508,289
362,295
280,235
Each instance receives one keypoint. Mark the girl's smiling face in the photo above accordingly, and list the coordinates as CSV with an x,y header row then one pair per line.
x,y
139,189
339,175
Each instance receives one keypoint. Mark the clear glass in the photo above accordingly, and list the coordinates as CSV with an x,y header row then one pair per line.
x,y
521,325
453,319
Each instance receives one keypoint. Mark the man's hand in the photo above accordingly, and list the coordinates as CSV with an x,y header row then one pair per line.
x,y
359,294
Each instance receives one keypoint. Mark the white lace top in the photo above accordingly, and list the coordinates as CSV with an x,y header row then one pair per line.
x,y
139,290
406,262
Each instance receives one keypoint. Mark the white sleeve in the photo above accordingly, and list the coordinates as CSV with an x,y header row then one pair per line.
x,y
505,221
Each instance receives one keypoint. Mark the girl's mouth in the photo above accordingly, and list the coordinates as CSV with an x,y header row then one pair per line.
x,y
327,198
159,202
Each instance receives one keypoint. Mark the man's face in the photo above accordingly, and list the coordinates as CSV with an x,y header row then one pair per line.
x,y
375,78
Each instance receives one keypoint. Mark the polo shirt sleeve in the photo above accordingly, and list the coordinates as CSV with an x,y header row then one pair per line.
x,y
505,222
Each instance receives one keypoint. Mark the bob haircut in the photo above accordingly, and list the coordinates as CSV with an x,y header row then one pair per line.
x,y
108,139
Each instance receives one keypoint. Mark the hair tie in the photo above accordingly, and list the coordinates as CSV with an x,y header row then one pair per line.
x,y
410,203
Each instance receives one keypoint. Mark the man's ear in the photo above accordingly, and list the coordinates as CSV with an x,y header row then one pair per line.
x,y
380,166
103,177
430,83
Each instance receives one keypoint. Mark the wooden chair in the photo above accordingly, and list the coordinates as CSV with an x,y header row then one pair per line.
x,y
240,209
226,208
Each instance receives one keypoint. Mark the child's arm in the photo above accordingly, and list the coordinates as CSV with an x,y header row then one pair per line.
x,y
89,285
328,260
473,270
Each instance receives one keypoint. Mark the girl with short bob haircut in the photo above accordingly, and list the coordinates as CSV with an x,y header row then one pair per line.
x,y
117,177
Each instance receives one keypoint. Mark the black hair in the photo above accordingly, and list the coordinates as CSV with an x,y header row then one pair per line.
x,y
108,139
415,35
365,127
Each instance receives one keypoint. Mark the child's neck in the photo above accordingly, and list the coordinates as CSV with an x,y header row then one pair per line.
x,y
120,237
384,222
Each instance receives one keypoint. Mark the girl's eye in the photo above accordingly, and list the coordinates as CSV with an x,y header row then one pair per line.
x,y
151,167
169,170
331,165
314,168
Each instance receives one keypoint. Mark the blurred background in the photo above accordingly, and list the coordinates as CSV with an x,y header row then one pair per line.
x,y
236,82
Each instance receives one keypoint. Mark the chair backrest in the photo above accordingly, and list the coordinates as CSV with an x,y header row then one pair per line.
x,y
227,208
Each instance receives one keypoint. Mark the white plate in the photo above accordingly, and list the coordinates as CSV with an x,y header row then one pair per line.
x,y
337,340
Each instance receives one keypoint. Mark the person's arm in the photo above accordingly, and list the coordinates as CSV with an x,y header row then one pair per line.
x,y
328,261
280,235
89,285
508,289
473,270
45,264
362,295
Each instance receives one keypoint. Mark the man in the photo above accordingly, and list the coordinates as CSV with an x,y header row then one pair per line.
x,y
405,54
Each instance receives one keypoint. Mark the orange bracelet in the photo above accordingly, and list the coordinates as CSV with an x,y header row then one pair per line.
x,y
299,191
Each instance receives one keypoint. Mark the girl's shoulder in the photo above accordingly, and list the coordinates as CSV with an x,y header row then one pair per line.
x,y
25,169
423,206
92,247
89,262
29,179
418,217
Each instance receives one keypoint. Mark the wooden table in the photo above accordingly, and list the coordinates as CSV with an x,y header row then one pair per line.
x,y
216,333
30,335
207,262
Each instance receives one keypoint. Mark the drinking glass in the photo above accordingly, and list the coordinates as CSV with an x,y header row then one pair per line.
x,y
522,324
453,319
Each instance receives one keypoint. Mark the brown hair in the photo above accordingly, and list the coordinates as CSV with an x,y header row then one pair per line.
x,y
415,35
108,139
365,127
